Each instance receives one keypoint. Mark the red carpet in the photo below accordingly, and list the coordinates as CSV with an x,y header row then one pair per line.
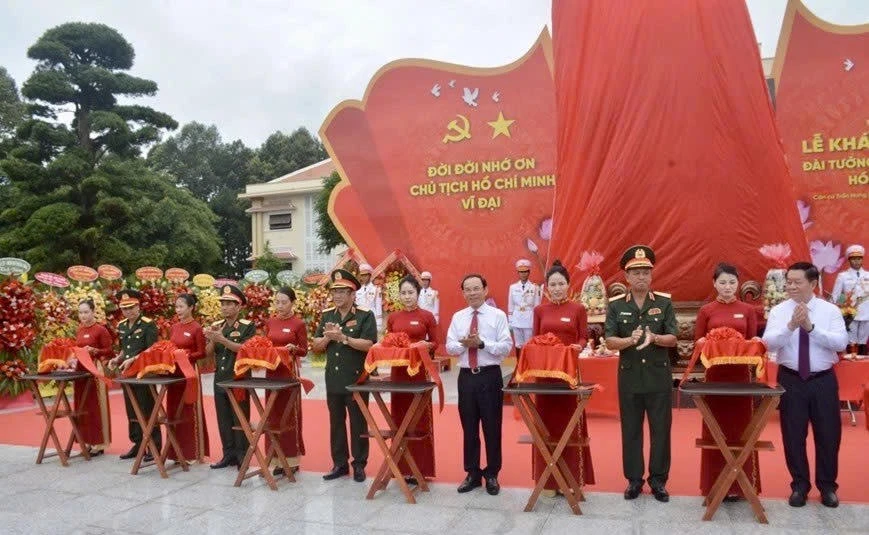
x,y
25,428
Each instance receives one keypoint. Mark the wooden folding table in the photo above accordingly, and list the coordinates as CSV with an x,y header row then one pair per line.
x,y
254,430
61,408
552,448
748,443
158,386
396,449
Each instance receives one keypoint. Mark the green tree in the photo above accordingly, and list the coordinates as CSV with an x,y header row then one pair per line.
x,y
12,112
78,193
79,69
215,172
11,108
269,262
326,230
281,154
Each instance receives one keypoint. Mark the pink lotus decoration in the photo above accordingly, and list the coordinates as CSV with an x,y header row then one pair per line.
x,y
546,229
826,256
804,209
589,262
777,252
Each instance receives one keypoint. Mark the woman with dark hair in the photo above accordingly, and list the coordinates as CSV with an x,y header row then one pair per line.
x,y
732,413
420,326
191,432
568,321
286,329
95,426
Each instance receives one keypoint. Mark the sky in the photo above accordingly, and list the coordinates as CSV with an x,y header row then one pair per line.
x,y
259,66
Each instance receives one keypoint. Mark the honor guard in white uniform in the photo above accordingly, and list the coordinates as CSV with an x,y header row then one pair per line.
x,y
523,296
428,297
369,296
853,284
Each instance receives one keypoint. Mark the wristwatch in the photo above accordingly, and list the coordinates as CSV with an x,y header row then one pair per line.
x,y
482,345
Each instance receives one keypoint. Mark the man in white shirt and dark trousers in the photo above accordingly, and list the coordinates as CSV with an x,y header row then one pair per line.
x,y
479,336
806,332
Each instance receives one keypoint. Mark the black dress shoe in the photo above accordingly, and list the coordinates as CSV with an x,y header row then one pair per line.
x,y
411,481
278,471
492,486
661,494
132,453
94,453
731,498
359,474
225,462
337,471
470,483
148,458
633,490
797,499
829,498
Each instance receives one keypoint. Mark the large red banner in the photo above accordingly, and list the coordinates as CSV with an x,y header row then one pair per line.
x,y
822,108
453,165
666,137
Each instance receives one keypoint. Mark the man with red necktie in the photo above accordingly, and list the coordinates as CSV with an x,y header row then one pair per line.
x,y
806,332
479,336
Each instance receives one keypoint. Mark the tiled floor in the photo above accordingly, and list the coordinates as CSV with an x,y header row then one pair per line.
x,y
102,497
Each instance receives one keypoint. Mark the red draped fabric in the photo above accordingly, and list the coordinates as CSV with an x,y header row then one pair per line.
x,y
665,133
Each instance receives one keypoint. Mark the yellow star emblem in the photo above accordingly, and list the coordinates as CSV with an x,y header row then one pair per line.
x,y
501,126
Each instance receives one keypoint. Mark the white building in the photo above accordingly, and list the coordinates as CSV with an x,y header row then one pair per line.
x,y
282,214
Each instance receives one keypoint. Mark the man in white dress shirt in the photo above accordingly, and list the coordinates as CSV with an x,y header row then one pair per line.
x,y
806,332
428,296
479,336
522,297
854,282
369,296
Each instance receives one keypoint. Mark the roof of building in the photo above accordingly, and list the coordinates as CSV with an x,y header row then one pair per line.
x,y
318,170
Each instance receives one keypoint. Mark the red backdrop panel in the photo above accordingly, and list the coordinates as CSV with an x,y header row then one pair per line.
x,y
666,136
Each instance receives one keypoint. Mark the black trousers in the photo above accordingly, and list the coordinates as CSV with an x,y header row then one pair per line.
x,y
815,400
146,403
234,441
481,401
340,407
634,408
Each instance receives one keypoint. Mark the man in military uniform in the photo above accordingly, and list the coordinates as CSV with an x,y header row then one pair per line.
x,y
853,284
345,334
522,297
224,338
136,333
428,296
641,325
369,296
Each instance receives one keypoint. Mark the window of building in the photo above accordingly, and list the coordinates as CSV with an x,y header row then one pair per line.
x,y
280,221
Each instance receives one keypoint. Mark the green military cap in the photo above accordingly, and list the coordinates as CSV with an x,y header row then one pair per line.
x,y
231,292
638,256
129,298
341,278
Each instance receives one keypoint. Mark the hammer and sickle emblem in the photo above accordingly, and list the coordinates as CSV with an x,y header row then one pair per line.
x,y
456,133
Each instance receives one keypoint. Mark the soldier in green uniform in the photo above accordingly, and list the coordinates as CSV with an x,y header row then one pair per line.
x,y
224,338
345,334
641,325
136,333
